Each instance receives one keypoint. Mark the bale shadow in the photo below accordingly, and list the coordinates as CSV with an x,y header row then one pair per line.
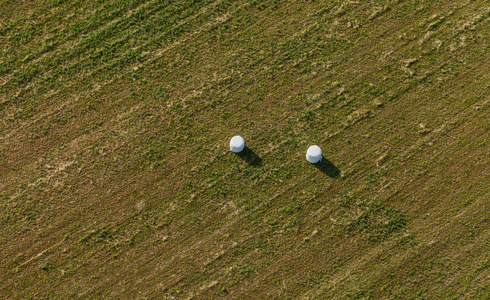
x,y
328,168
250,157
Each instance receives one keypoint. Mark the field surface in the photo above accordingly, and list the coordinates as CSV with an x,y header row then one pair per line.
x,y
116,179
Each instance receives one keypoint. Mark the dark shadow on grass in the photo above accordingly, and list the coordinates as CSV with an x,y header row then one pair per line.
x,y
250,157
328,168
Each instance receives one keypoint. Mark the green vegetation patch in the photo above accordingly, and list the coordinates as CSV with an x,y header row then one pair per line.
x,y
373,220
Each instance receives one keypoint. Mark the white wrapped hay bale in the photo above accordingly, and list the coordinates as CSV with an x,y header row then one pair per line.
x,y
314,154
237,144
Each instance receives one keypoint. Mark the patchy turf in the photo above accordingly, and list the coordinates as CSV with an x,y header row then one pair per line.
x,y
116,180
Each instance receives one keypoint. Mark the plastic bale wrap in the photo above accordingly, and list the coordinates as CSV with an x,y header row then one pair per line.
x,y
314,154
237,144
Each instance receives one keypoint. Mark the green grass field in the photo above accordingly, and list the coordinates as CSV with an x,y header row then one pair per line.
x,y
116,179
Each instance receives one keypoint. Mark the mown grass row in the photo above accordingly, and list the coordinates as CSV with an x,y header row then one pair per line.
x,y
84,47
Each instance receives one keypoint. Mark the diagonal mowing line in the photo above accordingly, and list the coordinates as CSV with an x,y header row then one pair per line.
x,y
331,283
117,20
120,75
37,256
